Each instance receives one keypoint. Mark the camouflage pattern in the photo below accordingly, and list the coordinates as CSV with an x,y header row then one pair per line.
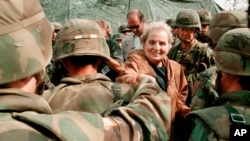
x,y
188,18
205,16
197,59
97,97
21,31
232,48
144,118
216,126
80,37
203,87
171,22
22,121
204,92
224,21
118,36
26,116
123,28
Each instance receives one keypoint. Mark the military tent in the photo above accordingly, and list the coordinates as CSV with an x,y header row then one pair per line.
x,y
114,11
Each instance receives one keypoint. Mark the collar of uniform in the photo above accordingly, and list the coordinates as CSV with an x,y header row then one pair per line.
x,y
12,99
237,97
78,79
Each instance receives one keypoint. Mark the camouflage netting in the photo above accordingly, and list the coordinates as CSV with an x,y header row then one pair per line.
x,y
114,11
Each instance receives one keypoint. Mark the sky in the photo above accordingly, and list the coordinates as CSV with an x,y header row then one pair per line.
x,y
233,4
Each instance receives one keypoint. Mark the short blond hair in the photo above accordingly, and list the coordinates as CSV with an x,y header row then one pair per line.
x,y
157,25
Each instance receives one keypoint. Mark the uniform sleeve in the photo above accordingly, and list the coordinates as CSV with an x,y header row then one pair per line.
x,y
207,59
204,91
146,117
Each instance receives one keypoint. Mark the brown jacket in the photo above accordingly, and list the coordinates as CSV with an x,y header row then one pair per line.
x,y
177,88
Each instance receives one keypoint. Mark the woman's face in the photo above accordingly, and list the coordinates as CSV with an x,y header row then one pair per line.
x,y
156,46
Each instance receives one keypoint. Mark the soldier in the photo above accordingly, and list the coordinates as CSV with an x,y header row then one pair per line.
x,y
136,22
232,106
194,56
82,59
25,38
205,18
171,23
123,28
55,69
118,38
110,68
205,88
57,26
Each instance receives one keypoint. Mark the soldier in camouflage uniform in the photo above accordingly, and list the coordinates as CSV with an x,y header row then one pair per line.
x,y
26,116
57,26
194,56
117,37
81,47
171,23
55,69
232,106
123,28
205,18
205,87
115,54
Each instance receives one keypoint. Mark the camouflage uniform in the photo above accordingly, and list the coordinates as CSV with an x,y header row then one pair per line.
x,y
198,57
90,93
27,117
204,92
116,54
25,51
232,49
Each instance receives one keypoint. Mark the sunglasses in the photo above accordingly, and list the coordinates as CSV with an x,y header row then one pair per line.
x,y
134,27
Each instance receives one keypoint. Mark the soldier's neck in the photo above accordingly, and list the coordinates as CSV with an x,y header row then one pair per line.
x,y
86,70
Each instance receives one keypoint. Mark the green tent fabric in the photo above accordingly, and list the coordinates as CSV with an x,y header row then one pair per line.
x,y
114,11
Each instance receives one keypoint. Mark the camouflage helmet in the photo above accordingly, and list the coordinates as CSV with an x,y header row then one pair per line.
x,y
57,25
80,37
25,47
118,36
224,21
205,16
188,18
123,28
232,53
170,22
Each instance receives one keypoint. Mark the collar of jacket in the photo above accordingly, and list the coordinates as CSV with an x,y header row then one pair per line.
x,y
79,79
237,97
16,100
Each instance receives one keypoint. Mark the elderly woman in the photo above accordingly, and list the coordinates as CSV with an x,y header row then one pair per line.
x,y
152,60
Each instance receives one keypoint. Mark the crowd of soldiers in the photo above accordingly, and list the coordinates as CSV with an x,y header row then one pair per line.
x,y
181,79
